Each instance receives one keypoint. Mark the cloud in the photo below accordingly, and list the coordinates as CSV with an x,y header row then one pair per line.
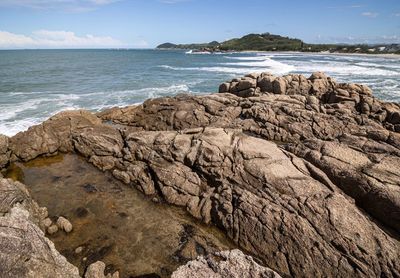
x,y
346,7
66,5
370,14
55,39
397,14
173,1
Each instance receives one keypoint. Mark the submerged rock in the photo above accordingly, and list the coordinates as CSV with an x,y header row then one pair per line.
x,y
52,229
301,172
226,264
64,224
96,270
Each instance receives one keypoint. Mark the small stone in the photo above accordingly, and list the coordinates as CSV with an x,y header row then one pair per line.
x,y
43,212
47,222
64,224
96,270
78,250
52,229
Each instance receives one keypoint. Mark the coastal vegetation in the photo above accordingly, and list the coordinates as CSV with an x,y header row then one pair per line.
x,y
271,42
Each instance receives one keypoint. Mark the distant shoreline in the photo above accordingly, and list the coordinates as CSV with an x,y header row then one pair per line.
x,y
386,55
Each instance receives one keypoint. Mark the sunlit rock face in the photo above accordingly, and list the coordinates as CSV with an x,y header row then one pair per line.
x,y
302,173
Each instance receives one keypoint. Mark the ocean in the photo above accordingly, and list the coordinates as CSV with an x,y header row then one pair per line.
x,y
36,84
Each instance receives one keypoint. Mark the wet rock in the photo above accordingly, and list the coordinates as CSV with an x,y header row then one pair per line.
x,y
224,264
47,223
52,229
96,270
81,212
64,224
90,188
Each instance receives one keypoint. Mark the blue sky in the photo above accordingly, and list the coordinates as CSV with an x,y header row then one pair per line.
x,y
147,23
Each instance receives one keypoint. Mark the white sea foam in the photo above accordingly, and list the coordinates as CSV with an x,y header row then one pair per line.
x,y
338,68
250,58
242,67
14,117
267,64
12,128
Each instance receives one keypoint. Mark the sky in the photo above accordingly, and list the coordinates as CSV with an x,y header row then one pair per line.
x,y
147,23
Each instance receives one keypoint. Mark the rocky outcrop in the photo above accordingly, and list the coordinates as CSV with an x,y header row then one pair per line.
x,y
51,136
227,264
25,251
300,172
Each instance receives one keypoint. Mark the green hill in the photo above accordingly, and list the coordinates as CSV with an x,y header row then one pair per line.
x,y
263,42
266,42
271,42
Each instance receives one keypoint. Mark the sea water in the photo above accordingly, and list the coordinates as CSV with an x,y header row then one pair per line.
x,y
36,84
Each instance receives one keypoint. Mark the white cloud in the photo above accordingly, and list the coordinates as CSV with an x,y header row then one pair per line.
x,y
173,1
55,39
346,7
370,14
398,14
67,5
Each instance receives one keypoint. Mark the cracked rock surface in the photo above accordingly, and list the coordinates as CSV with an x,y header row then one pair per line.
x,y
227,264
302,173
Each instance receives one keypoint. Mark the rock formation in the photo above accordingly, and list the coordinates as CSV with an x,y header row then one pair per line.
x,y
227,264
302,173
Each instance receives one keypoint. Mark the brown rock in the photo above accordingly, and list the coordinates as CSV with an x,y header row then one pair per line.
x,y
96,270
296,176
4,151
224,264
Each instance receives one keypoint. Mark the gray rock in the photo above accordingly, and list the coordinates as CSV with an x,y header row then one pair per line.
x,y
226,264
96,270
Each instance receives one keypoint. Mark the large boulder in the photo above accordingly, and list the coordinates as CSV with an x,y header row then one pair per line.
x,y
51,136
